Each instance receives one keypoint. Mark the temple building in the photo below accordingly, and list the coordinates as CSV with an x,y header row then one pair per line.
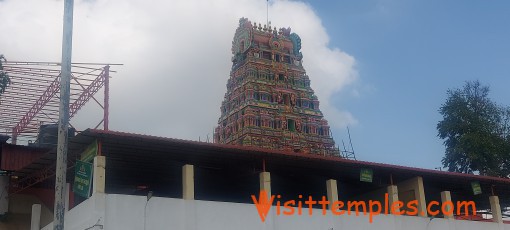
x,y
117,180
269,102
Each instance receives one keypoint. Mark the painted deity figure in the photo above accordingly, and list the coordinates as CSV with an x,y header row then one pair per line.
x,y
280,98
298,126
293,99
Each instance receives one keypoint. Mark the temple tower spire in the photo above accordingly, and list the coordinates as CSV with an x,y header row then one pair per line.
x,y
269,102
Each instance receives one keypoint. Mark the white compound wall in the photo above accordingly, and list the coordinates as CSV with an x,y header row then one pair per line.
x,y
124,212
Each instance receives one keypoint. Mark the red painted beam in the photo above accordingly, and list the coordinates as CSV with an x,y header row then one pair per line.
x,y
39,104
87,93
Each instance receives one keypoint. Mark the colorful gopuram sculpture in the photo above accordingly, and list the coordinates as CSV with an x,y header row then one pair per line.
x,y
269,102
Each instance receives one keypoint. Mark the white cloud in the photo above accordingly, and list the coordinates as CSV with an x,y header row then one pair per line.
x,y
176,55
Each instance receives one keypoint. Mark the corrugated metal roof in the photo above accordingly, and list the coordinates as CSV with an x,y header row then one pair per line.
x,y
15,157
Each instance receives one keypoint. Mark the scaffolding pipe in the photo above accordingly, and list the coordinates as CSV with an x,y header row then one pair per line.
x,y
106,97
63,124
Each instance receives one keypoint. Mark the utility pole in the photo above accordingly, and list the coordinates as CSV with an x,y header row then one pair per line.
x,y
63,121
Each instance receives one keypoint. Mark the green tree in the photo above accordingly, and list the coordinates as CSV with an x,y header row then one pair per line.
x,y
4,78
476,132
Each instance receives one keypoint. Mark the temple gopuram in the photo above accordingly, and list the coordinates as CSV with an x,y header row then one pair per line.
x,y
269,102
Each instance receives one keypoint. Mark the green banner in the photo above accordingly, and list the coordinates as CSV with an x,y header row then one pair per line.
x,y
82,178
477,189
366,175
90,152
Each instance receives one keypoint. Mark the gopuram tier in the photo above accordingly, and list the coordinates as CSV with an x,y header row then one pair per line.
x,y
269,102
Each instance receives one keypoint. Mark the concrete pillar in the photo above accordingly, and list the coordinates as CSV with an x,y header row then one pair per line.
x,y
332,191
265,182
67,190
188,183
496,209
4,194
35,222
414,185
98,185
419,193
446,197
392,191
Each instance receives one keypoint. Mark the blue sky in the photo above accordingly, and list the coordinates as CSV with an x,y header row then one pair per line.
x,y
385,69
408,54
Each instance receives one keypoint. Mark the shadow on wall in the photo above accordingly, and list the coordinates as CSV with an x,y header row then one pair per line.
x,y
20,209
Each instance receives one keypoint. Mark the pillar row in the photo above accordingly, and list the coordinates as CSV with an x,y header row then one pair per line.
x,y
415,186
392,191
99,174
447,197
35,222
265,182
496,209
188,182
332,190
